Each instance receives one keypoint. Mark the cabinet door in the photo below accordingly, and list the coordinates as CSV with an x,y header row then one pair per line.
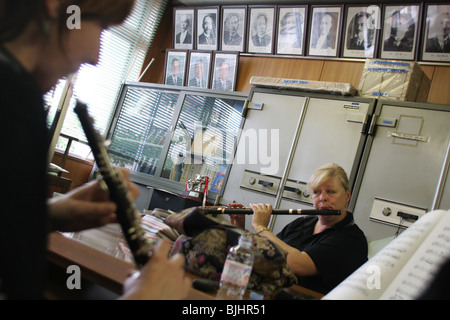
x,y
263,148
402,166
332,131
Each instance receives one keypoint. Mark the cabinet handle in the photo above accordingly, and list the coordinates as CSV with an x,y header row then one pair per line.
x,y
292,189
265,183
373,123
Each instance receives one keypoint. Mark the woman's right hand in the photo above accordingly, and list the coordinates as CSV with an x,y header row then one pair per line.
x,y
237,220
162,278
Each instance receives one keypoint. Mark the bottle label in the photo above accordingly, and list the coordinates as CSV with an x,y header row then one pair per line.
x,y
236,273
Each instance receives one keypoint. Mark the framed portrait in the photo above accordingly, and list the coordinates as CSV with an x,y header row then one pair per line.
x,y
234,28
225,69
207,28
362,24
436,35
325,31
399,31
175,70
183,26
290,31
199,70
261,29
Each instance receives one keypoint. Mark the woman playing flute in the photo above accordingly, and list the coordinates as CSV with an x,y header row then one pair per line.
x,y
323,250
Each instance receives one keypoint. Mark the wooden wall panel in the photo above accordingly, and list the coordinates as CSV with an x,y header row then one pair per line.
x,y
79,169
342,71
295,68
440,86
160,43
276,67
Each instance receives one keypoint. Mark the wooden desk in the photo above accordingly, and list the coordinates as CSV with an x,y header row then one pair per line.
x,y
103,273
97,268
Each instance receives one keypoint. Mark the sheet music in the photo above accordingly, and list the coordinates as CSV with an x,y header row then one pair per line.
x,y
395,259
423,266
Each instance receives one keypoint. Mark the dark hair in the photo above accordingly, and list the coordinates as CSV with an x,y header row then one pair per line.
x,y
16,15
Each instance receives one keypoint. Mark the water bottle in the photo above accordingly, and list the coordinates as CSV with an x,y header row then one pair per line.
x,y
238,267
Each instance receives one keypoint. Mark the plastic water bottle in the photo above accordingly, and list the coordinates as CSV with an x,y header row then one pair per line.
x,y
238,267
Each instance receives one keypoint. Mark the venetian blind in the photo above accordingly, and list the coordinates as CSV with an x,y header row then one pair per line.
x,y
122,53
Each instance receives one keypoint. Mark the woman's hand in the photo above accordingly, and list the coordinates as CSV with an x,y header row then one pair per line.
x,y
161,278
237,220
85,207
261,215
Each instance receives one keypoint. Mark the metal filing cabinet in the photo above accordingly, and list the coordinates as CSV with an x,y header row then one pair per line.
x,y
404,168
308,130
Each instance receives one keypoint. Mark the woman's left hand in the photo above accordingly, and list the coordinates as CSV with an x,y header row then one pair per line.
x,y
85,207
261,215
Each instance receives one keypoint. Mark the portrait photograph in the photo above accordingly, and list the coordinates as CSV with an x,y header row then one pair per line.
x,y
199,69
207,28
325,31
184,28
225,68
361,25
291,30
436,39
261,29
400,29
234,28
175,70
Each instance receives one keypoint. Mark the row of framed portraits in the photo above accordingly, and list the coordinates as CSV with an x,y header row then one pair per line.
x,y
409,31
202,69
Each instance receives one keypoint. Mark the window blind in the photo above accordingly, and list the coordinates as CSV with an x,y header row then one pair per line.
x,y
142,129
122,53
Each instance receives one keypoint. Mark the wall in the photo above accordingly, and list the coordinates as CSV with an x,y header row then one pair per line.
x,y
270,66
296,68
79,169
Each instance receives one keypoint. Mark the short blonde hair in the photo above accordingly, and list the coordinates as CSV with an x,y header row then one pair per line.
x,y
326,172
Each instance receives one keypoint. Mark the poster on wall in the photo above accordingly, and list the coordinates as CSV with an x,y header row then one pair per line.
x,y
361,26
175,67
225,68
199,69
436,35
207,28
291,30
400,29
183,28
261,29
234,28
325,30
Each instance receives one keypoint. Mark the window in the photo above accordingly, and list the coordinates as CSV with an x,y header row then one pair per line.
x,y
142,129
121,57
165,136
207,129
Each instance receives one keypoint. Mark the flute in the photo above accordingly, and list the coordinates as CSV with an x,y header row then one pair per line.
x,y
127,214
246,210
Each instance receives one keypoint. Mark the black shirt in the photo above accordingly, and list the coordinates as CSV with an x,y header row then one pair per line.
x,y
24,142
336,251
